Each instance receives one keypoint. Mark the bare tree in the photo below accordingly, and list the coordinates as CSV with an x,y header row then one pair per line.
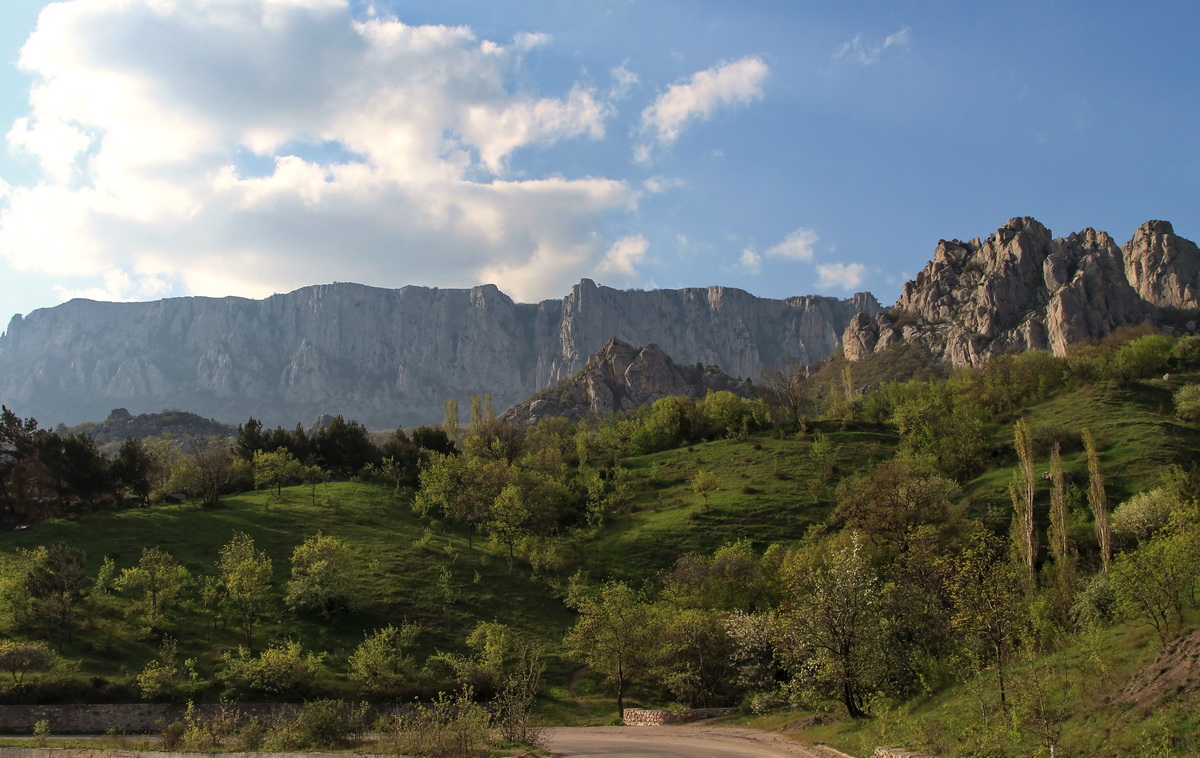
x,y
786,391
210,469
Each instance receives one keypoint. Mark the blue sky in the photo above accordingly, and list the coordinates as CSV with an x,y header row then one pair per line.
x,y
171,147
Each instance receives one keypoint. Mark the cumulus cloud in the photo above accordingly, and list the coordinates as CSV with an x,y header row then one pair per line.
x,y
253,146
698,99
843,276
624,256
797,246
751,262
866,54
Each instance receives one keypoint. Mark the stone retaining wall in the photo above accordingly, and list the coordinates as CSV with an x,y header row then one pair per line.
x,y
47,752
895,752
127,718
646,717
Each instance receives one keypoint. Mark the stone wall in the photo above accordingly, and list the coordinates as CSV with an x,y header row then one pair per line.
x,y
36,752
895,752
645,717
128,718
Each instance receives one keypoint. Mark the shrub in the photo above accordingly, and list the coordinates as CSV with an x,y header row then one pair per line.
x,y
1187,402
1140,517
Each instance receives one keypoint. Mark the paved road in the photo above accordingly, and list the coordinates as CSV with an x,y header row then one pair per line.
x,y
673,742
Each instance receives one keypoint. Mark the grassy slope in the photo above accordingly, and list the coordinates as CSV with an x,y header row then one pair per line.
x,y
765,493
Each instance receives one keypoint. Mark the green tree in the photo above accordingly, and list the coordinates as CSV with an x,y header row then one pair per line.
x,y
704,482
615,637
1098,500
892,500
989,593
1154,582
1023,489
835,617
131,471
383,662
56,583
158,578
275,469
20,658
323,577
246,578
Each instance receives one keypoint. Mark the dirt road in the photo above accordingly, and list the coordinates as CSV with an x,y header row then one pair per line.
x,y
674,742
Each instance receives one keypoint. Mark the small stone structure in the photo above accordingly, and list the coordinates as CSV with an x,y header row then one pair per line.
x,y
895,752
645,717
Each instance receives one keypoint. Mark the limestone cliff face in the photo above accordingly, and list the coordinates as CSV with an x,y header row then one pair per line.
x,y
385,357
622,377
1022,289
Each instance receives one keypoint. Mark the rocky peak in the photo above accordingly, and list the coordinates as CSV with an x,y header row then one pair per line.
x,y
1022,289
621,377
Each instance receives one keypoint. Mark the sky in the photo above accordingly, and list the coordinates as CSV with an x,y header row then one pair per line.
x,y
161,148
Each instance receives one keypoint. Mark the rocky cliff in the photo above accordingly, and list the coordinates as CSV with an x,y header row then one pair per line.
x,y
1022,289
382,356
622,377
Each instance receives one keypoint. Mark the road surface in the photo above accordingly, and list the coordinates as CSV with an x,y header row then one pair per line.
x,y
674,742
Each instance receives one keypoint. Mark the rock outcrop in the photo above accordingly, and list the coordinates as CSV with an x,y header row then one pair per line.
x,y
622,377
1022,289
385,357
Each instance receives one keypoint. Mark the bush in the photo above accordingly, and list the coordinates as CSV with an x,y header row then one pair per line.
x,y
283,670
1140,517
450,727
1187,402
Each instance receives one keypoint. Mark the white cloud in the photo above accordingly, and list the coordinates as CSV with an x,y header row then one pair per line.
x,y
386,149
797,246
866,54
623,81
624,256
751,262
697,99
657,185
843,276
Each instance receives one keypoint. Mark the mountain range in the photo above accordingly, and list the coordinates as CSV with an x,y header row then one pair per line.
x,y
391,357
386,357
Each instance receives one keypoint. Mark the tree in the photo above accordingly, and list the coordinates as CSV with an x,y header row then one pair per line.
x,y
614,636
1023,489
989,598
19,658
892,500
383,663
275,469
1097,500
787,392
323,577
246,577
835,617
251,439
56,583
1153,582
131,471
209,471
704,482
158,578
1059,542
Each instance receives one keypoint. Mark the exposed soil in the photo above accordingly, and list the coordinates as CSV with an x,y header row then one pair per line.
x,y
1174,674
